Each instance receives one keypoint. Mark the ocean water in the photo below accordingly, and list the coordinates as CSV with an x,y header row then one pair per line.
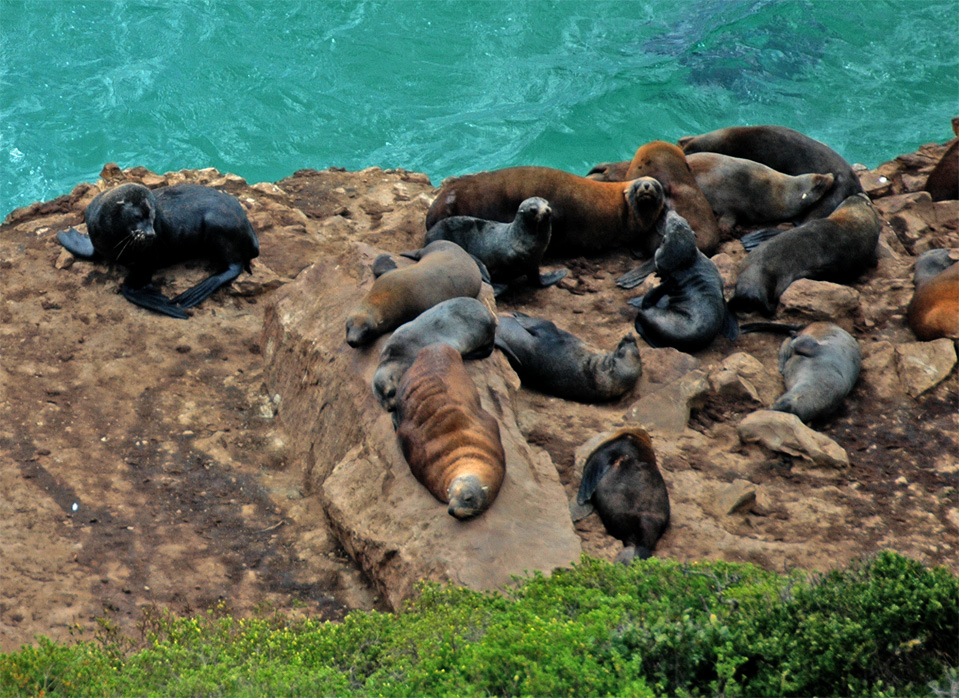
x,y
263,88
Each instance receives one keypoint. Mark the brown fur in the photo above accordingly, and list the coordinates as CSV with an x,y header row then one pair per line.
x,y
588,216
445,434
943,182
934,309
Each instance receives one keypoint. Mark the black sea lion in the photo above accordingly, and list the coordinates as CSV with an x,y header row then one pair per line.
x,y
624,485
820,366
451,443
666,163
509,250
443,270
588,216
146,230
466,324
560,364
838,248
933,311
787,151
687,310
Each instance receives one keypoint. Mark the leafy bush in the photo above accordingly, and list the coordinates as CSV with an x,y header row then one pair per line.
x,y
886,626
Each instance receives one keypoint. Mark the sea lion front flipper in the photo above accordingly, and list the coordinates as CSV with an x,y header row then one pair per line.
x,y
593,472
551,278
641,331
499,289
77,244
508,351
203,290
635,277
578,511
382,264
150,298
636,302
730,328
753,240
806,345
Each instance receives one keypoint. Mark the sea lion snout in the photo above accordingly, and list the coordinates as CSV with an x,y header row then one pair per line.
x,y
467,497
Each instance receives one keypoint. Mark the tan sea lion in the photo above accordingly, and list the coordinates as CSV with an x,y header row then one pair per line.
x,y
451,443
588,216
624,485
667,163
934,309
443,270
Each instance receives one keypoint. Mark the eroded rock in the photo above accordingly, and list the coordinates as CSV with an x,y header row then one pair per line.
x,y
786,433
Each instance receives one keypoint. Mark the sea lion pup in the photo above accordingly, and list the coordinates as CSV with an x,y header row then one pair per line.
x,y
666,163
933,311
624,486
443,270
787,151
560,364
820,366
838,248
147,230
509,250
451,443
588,216
465,324
687,310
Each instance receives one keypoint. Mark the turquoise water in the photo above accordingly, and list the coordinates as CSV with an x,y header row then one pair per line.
x,y
265,88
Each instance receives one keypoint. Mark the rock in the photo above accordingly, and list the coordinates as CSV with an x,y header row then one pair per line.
x,y
669,407
744,376
786,433
736,496
879,370
875,184
924,365
808,301
910,215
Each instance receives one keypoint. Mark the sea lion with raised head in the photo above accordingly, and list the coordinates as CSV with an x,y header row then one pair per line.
x,y
838,248
785,150
450,442
687,309
560,364
466,324
443,270
588,216
509,250
147,230
933,311
820,366
623,484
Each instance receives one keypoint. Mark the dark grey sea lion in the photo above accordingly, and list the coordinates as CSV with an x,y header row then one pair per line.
x,y
147,230
820,366
687,310
838,248
509,250
560,364
623,484
465,324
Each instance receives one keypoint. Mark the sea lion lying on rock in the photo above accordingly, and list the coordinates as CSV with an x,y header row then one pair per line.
x,y
934,309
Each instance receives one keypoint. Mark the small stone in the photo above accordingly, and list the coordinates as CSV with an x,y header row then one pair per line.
x,y
924,365
785,433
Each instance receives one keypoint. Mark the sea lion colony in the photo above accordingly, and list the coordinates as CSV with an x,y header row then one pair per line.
x,y
768,174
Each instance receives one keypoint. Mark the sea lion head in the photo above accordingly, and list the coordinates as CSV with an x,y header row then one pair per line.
x,y
537,215
644,199
678,249
821,183
468,497
124,221
361,327
626,359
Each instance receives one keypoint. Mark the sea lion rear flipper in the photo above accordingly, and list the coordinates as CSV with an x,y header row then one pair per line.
x,y
777,327
730,325
195,295
77,244
635,277
636,302
753,240
382,264
593,472
551,278
151,299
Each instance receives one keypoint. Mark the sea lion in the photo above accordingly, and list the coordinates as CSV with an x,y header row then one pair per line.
x,y
943,181
785,150
466,324
560,364
687,310
666,163
820,366
838,248
509,250
146,230
451,443
588,216
443,270
933,311
624,485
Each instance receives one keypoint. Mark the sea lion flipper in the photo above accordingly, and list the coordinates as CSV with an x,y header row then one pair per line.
x,y
635,277
197,294
641,331
484,272
150,298
552,277
499,289
77,244
506,349
593,472
753,240
730,326
578,511
382,264
806,345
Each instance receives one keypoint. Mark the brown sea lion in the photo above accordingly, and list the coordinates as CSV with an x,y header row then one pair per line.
x,y
624,485
588,216
838,248
787,151
820,366
451,443
443,270
667,163
943,181
934,309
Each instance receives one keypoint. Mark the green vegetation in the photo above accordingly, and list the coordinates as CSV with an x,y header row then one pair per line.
x,y
886,626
